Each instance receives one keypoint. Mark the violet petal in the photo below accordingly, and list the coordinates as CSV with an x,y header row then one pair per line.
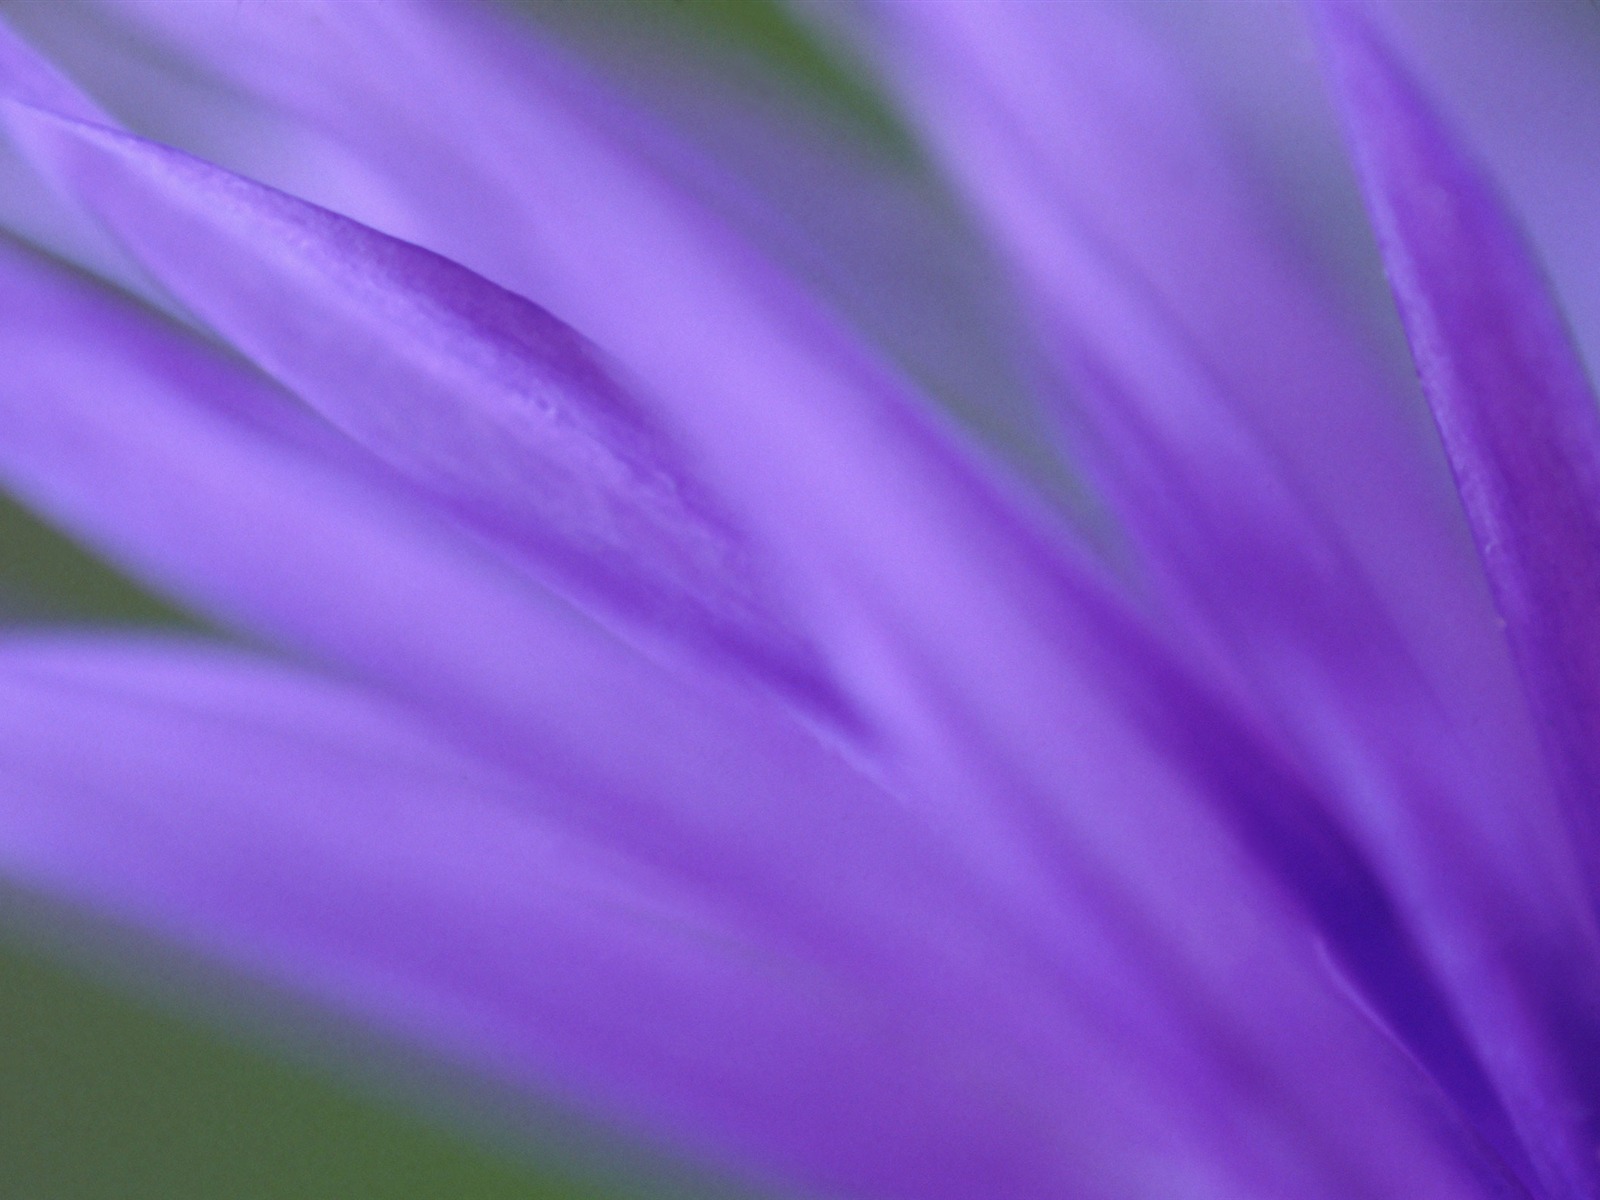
x,y
305,831
183,467
319,836
1514,408
495,407
1069,135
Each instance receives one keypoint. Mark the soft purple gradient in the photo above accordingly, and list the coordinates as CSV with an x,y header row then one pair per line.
x,y
684,721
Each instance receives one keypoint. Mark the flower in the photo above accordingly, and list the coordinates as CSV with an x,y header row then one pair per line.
x,y
649,699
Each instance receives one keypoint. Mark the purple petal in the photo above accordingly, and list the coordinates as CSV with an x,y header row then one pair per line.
x,y
1118,211
316,835
1518,84
498,410
831,190
313,834
1515,411
889,530
200,479
1053,116
31,207
1088,159
1513,406
1089,162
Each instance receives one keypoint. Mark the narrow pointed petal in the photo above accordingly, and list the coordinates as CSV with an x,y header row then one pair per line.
x,y
492,406
1516,412
725,807
1085,154
185,478
1518,85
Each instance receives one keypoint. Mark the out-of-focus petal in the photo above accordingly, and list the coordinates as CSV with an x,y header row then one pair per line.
x,y
1159,283
826,181
309,832
1085,153
1064,121
1516,413
31,206
1513,405
1198,349
1517,82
